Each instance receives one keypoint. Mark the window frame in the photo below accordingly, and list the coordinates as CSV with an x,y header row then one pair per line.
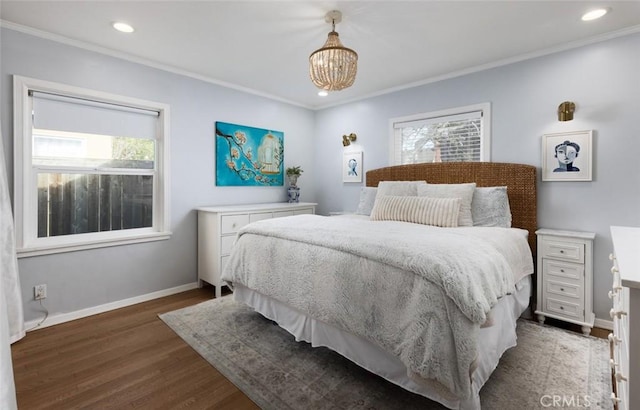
x,y
25,175
485,139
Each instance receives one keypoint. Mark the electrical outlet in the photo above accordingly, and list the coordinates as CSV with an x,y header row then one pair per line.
x,y
40,292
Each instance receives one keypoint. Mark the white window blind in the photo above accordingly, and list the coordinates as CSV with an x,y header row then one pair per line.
x,y
64,113
452,135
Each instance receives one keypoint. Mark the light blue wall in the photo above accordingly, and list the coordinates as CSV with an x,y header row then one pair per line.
x,y
603,80
84,279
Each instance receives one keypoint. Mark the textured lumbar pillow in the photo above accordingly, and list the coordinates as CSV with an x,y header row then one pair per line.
x,y
462,191
422,210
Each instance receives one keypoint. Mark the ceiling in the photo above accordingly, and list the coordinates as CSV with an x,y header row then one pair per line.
x,y
263,46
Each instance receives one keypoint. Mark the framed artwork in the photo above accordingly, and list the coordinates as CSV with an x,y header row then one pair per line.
x,y
248,156
352,167
567,156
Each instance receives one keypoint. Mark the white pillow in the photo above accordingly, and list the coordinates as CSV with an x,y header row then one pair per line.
x,y
490,207
462,191
422,210
367,199
399,188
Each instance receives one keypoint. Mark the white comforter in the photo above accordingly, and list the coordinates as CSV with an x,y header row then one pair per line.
x,y
417,291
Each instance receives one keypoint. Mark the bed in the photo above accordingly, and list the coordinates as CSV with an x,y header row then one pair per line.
x,y
429,308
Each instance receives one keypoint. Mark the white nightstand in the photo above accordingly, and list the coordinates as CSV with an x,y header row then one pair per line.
x,y
565,277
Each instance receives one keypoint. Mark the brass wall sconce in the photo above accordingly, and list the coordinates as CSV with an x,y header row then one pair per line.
x,y
348,139
565,111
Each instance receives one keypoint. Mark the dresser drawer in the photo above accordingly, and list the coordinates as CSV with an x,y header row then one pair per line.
x,y
564,289
232,223
261,216
571,272
226,243
305,211
223,262
280,214
564,308
569,251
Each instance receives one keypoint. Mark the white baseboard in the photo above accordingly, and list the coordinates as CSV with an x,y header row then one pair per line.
x,y
79,314
603,324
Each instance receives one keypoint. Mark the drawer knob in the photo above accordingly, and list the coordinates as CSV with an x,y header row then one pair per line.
x,y
561,289
614,270
620,377
562,270
614,399
614,339
561,307
613,364
617,313
613,293
611,257
561,250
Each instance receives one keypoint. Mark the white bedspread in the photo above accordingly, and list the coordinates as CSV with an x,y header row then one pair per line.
x,y
417,291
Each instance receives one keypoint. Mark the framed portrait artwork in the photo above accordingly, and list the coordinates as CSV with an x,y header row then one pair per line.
x,y
352,167
567,156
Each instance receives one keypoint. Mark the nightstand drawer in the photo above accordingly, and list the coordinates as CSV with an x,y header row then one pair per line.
x,y
564,289
232,223
569,251
565,270
564,308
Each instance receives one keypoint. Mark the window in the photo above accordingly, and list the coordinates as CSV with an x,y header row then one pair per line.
x,y
90,168
459,134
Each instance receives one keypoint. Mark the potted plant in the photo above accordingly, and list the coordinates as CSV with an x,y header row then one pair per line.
x,y
292,175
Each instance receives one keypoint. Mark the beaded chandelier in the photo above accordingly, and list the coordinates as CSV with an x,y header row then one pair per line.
x,y
333,67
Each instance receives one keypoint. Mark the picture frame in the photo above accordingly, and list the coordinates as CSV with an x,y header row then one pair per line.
x,y
248,156
352,167
567,156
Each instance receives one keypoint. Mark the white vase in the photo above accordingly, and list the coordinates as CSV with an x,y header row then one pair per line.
x,y
293,179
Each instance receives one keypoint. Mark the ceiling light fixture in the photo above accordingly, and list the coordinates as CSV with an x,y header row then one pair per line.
x,y
323,93
594,14
123,27
333,67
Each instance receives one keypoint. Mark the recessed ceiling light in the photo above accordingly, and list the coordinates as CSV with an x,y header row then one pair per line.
x,y
123,27
594,14
323,93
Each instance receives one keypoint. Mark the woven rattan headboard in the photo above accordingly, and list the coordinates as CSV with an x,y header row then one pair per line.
x,y
520,180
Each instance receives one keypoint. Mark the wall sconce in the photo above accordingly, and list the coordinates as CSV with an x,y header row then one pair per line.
x,y
565,111
348,139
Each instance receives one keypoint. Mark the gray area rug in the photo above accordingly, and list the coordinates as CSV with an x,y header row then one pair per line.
x,y
276,372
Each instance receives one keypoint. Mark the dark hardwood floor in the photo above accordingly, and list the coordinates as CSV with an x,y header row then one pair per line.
x,y
126,358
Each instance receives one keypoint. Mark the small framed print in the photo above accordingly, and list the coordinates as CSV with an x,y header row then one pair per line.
x,y
352,167
567,156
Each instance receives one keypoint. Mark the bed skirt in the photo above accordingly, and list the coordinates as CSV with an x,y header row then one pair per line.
x,y
493,341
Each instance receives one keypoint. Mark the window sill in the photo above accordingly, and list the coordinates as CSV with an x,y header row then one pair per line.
x,y
62,248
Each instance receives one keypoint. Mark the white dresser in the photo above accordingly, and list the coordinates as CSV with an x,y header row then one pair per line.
x,y
625,340
218,226
565,277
